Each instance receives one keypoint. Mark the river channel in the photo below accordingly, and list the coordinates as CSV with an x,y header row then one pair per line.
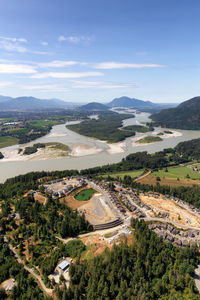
x,y
60,133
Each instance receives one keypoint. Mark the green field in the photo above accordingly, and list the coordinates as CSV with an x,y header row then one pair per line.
x,y
149,139
121,175
85,195
44,123
58,146
178,172
6,141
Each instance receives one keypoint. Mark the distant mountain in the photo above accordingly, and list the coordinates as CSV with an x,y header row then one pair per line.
x,y
30,103
4,98
94,106
131,103
185,116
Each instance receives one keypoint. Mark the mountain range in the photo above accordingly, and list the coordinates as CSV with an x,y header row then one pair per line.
x,y
185,116
32,103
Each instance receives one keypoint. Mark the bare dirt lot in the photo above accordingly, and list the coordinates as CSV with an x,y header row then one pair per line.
x,y
40,198
96,209
176,213
151,180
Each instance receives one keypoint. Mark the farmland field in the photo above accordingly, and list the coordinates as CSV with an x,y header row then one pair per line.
x,y
85,195
178,172
170,181
6,141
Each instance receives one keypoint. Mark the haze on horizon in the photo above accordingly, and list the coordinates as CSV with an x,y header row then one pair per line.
x,y
90,50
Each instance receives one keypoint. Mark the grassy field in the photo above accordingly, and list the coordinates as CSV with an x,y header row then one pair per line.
x,y
178,172
6,141
121,175
44,123
149,139
58,146
85,195
151,180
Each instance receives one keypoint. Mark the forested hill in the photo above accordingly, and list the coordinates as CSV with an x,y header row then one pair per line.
x,y
185,116
147,269
94,106
131,103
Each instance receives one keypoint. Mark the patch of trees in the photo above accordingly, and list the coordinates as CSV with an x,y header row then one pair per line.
x,y
148,269
33,149
72,249
105,128
51,218
139,128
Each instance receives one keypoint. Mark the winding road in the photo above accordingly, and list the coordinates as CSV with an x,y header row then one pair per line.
x,y
48,292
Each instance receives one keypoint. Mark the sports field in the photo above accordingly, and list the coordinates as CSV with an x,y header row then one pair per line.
x,y
85,195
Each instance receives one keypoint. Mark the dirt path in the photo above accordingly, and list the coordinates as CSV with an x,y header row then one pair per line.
x,y
47,291
143,176
100,232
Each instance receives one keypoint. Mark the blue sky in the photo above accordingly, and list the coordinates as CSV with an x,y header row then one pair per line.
x,y
91,50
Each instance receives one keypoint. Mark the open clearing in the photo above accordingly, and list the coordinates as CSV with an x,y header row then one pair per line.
x,y
176,213
151,180
121,175
96,210
178,172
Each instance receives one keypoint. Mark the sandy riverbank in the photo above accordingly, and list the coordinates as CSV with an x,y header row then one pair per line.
x,y
164,136
116,148
42,154
84,149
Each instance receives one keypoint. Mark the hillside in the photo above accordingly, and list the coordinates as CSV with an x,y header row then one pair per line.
x,y
30,103
131,103
94,106
185,116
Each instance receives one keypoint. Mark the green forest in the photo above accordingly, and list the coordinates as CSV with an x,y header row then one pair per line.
x,y
106,128
148,269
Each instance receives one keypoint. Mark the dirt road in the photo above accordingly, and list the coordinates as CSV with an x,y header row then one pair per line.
x,y
48,292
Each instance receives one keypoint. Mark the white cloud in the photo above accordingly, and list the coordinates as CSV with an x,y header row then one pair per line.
x,y
44,87
43,43
16,69
100,84
13,44
67,75
117,65
74,39
58,64
5,83
21,40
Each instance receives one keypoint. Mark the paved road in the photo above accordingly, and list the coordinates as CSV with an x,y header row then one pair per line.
x,y
47,291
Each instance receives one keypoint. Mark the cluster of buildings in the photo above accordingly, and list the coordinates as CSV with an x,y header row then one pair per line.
x,y
64,187
176,236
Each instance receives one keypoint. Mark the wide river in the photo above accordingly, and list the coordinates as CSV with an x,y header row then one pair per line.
x,y
60,133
